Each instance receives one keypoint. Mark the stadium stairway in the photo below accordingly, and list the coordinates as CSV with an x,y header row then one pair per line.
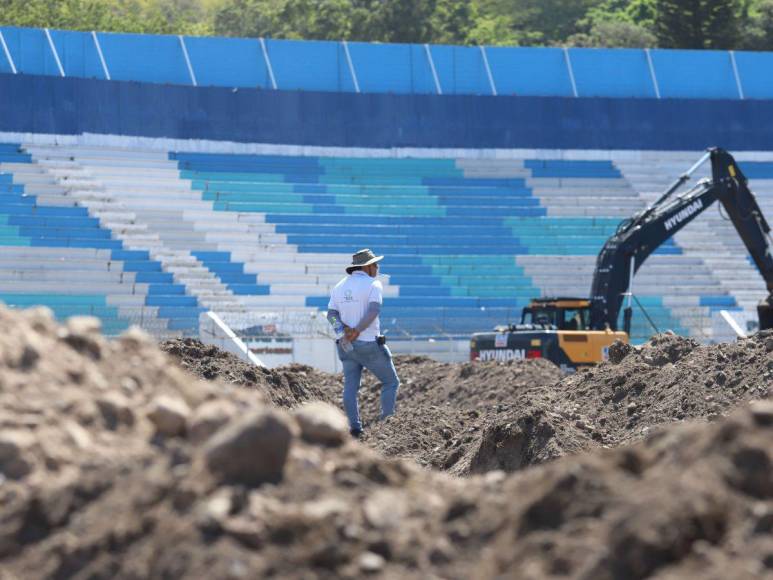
x,y
53,253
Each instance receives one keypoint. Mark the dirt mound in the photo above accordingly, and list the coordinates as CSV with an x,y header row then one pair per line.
x,y
668,379
472,417
689,502
476,417
286,386
116,464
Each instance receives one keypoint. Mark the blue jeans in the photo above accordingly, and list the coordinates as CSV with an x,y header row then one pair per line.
x,y
378,360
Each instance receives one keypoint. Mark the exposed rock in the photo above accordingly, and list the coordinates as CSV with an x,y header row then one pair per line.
x,y
15,462
253,450
169,415
322,423
209,417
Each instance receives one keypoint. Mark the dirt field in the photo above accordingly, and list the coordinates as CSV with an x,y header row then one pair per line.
x,y
117,463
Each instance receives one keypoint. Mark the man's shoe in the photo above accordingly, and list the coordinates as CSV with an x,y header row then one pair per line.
x,y
356,433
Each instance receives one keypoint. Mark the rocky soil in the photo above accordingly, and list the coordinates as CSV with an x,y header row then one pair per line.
x,y
476,417
117,463
286,387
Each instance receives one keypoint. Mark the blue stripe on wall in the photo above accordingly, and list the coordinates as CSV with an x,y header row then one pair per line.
x,y
41,104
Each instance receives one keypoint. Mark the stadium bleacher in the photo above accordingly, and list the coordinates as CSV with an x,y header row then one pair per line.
x,y
468,241
53,253
453,242
137,231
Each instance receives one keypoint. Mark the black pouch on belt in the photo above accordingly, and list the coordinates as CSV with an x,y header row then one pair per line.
x,y
381,339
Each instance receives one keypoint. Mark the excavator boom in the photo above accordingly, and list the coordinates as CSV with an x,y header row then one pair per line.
x,y
636,238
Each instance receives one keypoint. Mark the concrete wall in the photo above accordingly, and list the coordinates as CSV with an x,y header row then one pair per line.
x,y
70,106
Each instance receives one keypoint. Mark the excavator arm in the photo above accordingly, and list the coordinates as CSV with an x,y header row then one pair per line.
x,y
636,238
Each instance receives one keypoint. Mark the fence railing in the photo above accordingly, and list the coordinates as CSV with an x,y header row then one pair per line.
x,y
387,68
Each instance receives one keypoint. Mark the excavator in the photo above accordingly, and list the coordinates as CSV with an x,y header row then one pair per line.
x,y
576,332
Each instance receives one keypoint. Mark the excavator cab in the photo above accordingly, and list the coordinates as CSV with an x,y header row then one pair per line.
x,y
558,313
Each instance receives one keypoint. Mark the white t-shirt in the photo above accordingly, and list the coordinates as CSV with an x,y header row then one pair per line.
x,y
351,297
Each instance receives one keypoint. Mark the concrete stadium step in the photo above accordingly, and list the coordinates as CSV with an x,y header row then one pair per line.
x,y
630,204
34,263
121,300
149,191
585,193
273,277
33,252
44,189
273,301
599,184
170,173
73,287
296,268
589,211
66,275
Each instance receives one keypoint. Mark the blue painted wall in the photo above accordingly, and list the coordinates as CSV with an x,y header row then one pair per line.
x,y
392,68
45,104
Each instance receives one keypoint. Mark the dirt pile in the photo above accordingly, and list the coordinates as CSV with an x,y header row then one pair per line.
x,y
467,418
473,417
668,379
476,417
693,501
115,463
286,386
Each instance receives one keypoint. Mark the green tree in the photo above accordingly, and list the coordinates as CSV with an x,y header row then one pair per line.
x,y
452,21
146,16
406,20
617,24
698,23
309,19
757,27
614,34
533,22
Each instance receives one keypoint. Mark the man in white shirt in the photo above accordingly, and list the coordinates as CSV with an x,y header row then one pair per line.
x,y
355,303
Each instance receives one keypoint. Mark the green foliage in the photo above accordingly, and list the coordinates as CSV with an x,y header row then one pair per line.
x,y
614,34
145,16
617,24
717,24
698,23
309,19
452,21
758,29
534,22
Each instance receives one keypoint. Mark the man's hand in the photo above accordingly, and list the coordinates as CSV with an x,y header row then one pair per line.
x,y
351,334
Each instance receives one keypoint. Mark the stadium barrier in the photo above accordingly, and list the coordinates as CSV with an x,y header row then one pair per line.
x,y
358,67
70,106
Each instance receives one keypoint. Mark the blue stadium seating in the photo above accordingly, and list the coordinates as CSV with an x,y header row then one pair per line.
x,y
450,239
24,223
